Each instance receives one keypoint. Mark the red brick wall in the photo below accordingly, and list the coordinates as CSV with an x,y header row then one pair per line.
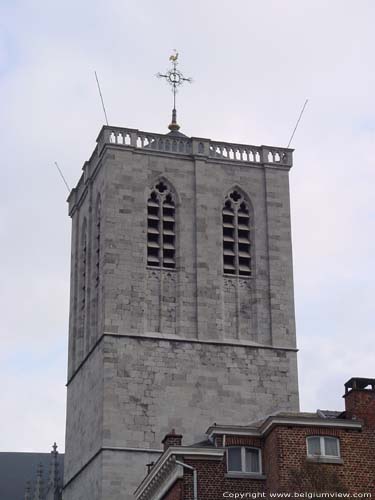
x,y
175,493
361,404
172,439
243,441
272,455
357,449
212,482
284,456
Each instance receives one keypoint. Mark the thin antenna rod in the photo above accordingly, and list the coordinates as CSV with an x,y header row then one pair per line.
x,y
62,176
299,118
101,97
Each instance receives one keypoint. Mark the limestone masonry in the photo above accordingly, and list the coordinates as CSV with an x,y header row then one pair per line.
x,y
182,308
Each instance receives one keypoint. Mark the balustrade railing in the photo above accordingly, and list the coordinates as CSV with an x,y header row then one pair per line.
x,y
197,146
145,140
226,151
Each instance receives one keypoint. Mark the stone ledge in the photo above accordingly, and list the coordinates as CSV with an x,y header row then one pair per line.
x,y
176,338
195,340
244,475
325,460
104,449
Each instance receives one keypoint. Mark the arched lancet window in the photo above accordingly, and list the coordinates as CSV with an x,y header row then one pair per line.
x,y
97,242
236,235
161,237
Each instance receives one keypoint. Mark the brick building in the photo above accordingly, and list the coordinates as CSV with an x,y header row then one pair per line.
x,y
320,452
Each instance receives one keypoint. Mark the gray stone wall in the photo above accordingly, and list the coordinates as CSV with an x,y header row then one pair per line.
x,y
85,327
123,471
136,389
202,306
88,485
280,257
152,386
112,475
195,300
84,415
180,348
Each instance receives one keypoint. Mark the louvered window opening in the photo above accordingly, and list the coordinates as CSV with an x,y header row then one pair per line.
x,y
236,236
161,237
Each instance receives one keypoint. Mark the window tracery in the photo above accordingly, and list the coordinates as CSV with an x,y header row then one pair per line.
x,y
161,221
236,235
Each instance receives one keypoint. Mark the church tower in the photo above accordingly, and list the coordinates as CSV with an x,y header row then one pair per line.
x,y
182,309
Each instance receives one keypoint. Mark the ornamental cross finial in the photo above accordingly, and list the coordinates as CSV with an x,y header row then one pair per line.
x,y
175,79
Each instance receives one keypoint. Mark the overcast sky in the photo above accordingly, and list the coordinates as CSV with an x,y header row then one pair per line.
x,y
254,63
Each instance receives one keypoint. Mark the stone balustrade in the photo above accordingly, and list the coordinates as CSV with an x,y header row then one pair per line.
x,y
220,151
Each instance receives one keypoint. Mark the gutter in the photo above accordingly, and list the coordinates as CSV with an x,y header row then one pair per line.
x,y
269,422
171,453
195,477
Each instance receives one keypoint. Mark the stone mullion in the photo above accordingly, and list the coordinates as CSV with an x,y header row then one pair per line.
x,y
236,247
161,231
161,261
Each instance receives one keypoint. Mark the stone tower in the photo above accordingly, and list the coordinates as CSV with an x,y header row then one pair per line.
x,y
182,308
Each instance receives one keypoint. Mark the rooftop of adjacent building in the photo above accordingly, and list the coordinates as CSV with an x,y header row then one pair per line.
x,y
19,468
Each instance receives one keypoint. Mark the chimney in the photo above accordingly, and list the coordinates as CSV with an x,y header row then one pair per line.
x,y
360,400
149,467
172,439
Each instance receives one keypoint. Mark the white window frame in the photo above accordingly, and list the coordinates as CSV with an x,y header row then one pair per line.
x,y
323,447
243,460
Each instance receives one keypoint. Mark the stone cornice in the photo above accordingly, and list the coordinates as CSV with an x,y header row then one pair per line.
x,y
166,471
265,427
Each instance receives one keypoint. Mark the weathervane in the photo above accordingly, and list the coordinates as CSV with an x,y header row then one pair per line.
x,y
175,79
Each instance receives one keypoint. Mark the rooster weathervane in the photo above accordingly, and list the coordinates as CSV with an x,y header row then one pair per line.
x,y
175,79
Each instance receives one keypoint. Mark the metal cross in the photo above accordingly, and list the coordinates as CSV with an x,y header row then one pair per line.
x,y
175,79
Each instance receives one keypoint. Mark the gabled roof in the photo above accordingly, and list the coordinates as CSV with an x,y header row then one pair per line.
x,y
167,470
202,444
330,413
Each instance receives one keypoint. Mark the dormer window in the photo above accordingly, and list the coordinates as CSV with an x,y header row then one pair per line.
x,y
323,446
244,460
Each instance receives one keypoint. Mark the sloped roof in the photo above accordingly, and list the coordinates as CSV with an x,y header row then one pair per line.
x,y
202,444
17,468
325,418
318,414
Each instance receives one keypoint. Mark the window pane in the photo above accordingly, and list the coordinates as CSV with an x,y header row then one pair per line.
x,y
234,459
252,460
331,447
313,446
